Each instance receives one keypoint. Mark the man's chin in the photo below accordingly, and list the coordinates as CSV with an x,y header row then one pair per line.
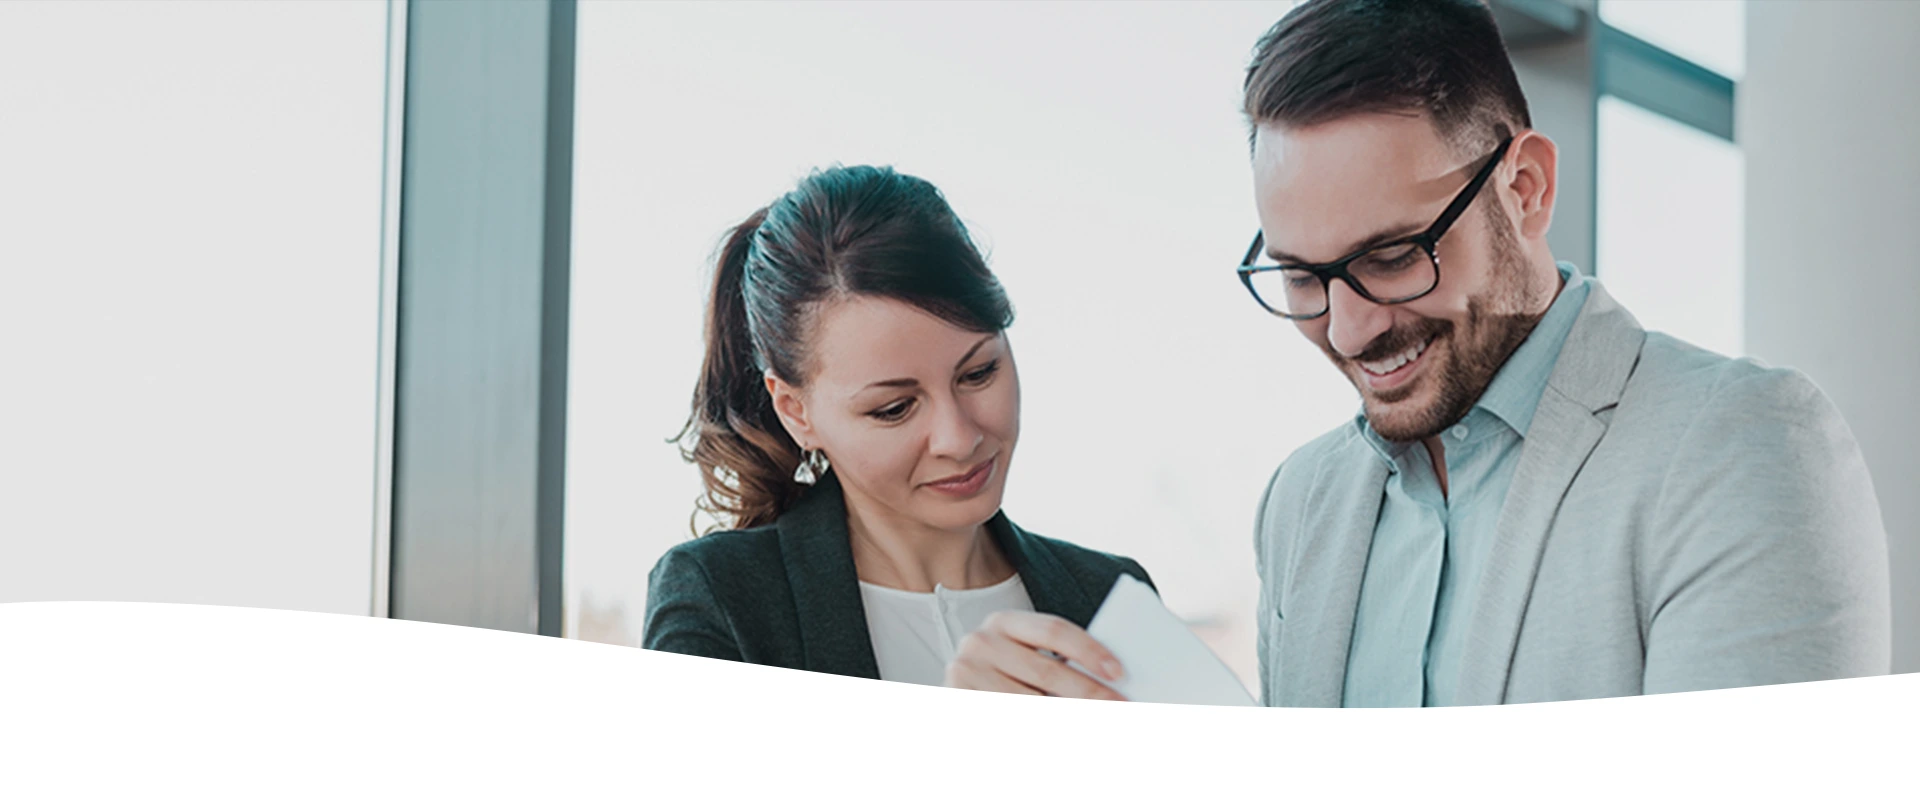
x,y
1403,420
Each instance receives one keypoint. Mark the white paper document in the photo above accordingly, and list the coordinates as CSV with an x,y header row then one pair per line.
x,y
1165,662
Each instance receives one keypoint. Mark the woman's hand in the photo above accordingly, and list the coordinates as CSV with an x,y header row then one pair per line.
x,y
1004,655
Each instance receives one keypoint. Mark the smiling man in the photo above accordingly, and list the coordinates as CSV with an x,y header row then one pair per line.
x,y
1538,500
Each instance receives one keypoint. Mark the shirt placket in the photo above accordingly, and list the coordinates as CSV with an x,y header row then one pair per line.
x,y
1423,487
941,603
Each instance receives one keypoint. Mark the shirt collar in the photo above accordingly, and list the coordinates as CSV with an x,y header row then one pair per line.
x,y
1514,394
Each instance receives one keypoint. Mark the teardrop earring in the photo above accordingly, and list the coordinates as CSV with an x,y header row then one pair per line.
x,y
813,465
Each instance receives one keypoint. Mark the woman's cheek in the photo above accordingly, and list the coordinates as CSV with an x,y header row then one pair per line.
x,y
999,412
884,459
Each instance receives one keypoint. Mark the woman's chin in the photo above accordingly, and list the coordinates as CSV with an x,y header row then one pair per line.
x,y
962,515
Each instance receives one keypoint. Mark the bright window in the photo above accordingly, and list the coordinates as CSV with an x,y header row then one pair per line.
x,y
1096,151
190,201
1671,223
1712,33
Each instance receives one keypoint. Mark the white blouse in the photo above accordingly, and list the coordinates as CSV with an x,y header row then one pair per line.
x,y
915,635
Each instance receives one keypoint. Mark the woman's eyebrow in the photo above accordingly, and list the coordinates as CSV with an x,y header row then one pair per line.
x,y
912,382
969,355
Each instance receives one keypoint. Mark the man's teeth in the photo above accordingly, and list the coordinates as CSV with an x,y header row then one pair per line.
x,y
1392,364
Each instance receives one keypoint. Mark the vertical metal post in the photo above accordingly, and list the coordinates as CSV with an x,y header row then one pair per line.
x,y
393,139
1552,47
480,363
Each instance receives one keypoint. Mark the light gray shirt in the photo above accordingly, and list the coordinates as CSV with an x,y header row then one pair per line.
x,y
916,634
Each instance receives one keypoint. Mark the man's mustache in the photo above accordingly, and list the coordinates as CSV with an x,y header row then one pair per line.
x,y
1401,337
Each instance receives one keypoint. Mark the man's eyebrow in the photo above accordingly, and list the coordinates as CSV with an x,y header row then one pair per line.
x,y
1388,235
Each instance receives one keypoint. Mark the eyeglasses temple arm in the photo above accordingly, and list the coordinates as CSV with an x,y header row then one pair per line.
x,y
1253,251
1460,203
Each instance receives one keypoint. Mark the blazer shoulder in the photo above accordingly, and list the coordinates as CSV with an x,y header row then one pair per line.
x,y
1679,370
726,567
728,549
1750,388
1752,455
1724,393
716,595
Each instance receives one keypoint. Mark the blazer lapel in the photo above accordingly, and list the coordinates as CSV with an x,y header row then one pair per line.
x,y
826,588
1593,368
1048,584
1322,589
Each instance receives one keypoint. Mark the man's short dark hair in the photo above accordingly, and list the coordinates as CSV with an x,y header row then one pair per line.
x,y
1329,59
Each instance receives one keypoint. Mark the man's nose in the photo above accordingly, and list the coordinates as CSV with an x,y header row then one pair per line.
x,y
1353,321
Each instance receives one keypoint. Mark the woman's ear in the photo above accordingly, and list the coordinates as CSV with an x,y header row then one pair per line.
x,y
792,409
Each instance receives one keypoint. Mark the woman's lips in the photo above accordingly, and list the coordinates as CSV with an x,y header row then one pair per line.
x,y
967,484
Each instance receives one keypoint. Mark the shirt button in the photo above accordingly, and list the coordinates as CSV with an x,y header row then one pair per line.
x,y
1460,432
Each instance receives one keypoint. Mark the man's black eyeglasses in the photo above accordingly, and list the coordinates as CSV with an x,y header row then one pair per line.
x,y
1388,273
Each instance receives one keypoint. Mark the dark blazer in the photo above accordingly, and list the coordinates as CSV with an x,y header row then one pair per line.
x,y
786,594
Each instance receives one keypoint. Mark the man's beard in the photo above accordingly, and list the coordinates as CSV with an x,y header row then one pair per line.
x,y
1497,323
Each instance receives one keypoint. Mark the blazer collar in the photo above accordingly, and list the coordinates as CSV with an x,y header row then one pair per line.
x,y
818,553
1322,592
1048,584
1594,366
826,589
1323,585
1600,353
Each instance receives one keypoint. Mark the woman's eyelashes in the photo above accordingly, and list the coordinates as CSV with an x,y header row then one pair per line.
x,y
898,411
981,375
894,412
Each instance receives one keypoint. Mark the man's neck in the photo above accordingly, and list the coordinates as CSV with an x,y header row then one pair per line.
x,y
1438,452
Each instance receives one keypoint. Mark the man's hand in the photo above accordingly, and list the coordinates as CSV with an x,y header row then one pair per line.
x,y
1004,655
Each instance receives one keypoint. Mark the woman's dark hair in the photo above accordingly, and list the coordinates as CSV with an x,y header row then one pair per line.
x,y
843,232
1328,59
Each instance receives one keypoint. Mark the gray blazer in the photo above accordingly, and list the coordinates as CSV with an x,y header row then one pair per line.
x,y
1678,521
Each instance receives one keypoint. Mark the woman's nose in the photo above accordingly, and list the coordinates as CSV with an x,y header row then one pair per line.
x,y
955,434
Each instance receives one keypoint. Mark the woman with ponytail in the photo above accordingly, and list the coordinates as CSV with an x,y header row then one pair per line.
x,y
854,423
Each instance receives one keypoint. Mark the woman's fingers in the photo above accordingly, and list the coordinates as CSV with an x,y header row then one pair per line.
x,y
967,672
1059,635
1004,655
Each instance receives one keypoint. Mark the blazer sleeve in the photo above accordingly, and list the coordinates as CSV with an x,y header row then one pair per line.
x,y
683,616
1770,553
1139,572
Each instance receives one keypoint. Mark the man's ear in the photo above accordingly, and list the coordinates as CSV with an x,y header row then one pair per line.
x,y
792,409
1534,183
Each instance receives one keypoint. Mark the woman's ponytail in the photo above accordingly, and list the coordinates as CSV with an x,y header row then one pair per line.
x,y
745,456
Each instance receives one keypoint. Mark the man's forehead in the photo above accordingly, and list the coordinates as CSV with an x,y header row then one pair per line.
x,y
1321,190
1405,148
